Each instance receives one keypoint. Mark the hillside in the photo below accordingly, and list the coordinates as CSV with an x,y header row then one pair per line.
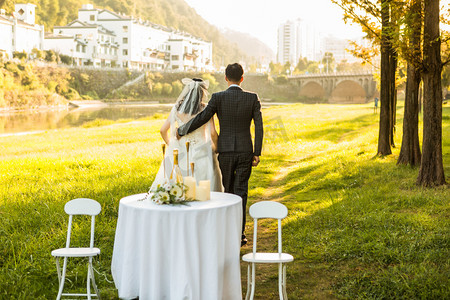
x,y
171,13
257,50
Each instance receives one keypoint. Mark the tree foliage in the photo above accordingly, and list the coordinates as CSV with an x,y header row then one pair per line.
x,y
400,37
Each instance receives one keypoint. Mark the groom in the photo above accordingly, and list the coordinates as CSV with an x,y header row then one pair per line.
x,y
235,109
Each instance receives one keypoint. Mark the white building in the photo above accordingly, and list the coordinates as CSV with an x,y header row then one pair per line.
x,y
288,43
6,46
90,44
118,40
311,41
338,48
19,32
189,54
298,39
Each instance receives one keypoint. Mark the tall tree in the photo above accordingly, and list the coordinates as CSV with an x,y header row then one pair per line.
x,y
410,149
372,15
385,130
431,171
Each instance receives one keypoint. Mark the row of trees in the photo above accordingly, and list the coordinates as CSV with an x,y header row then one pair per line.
x,y
46,55
328,64
407,30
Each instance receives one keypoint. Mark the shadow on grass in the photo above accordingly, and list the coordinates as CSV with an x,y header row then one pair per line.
x,y
348,129
33,223
369,236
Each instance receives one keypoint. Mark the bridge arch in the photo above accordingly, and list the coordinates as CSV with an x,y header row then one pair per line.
x,y
348,91
312,90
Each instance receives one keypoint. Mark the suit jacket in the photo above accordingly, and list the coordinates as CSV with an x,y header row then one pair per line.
x,y
235,110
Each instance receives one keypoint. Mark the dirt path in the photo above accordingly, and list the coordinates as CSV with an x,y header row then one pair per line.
x,y
305,280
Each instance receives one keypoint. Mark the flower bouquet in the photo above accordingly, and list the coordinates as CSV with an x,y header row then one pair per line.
x,y
168,193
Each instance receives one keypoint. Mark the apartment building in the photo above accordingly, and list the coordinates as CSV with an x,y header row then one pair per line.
x,y
88,44
113,39
19,32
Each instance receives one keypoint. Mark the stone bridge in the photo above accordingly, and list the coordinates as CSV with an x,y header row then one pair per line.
x,y
336,87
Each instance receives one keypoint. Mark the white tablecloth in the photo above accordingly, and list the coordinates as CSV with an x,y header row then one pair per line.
x,y
178,252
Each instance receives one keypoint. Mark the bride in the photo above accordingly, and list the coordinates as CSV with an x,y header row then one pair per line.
x,y
202,141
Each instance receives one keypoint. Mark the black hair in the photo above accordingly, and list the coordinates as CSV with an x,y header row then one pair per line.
x,y
234,72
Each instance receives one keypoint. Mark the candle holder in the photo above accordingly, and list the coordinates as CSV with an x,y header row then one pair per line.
x,y
163,145
187,159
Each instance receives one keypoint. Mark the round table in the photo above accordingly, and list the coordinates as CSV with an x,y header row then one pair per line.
x,y
178,252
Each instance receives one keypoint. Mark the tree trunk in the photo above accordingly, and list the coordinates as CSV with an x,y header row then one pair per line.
x,y
410,149
431,171
393,95
384,145
420,98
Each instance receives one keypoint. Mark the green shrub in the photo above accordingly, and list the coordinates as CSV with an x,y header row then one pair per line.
x,y
51,85
37,54
212,82
21,66
50,56
28,80
97,123
157,89
20,55
72,94
65,59
13,68
177,87
93,95
281,79
149,76
166,89
2,98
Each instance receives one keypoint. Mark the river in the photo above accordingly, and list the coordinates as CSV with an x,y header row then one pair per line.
x,y
37,121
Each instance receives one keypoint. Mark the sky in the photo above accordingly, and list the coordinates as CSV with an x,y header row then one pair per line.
x,y
261,18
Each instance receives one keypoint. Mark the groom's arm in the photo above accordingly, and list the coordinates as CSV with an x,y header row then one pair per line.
x,y
259,131
200,119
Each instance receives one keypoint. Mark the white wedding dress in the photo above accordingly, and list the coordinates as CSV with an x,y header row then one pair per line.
x,y
201,153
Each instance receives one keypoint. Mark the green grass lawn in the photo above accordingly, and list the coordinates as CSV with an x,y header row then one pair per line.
x,y
358,226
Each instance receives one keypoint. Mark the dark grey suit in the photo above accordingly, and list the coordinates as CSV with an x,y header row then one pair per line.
x,y
235,110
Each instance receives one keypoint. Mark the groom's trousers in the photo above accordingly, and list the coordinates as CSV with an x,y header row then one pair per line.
x,y
236,168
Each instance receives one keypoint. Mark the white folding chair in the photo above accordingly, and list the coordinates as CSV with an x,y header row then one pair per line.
x,y
80,206
272,210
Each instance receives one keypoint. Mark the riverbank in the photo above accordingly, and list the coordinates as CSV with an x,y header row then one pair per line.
x,y
88,104
30,85
358,227
41,108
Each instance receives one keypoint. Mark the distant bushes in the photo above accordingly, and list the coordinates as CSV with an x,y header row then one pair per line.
x,y
49,85
22,85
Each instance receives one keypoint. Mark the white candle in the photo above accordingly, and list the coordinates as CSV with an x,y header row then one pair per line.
x,y
207,185
201,193
190,183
